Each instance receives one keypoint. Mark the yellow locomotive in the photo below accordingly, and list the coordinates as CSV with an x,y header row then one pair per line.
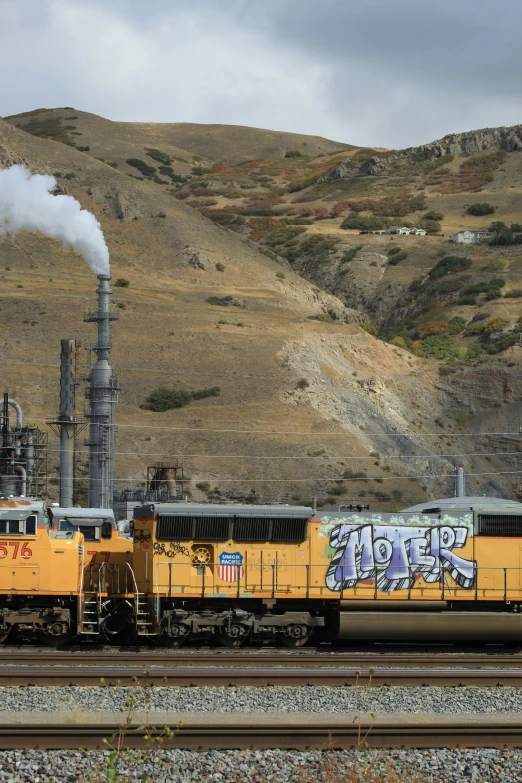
x,y
447,571
62,571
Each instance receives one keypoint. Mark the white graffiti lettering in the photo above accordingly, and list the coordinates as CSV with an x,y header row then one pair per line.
x,y
395,556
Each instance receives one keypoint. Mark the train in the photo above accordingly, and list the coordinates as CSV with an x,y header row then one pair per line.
x,y
232,574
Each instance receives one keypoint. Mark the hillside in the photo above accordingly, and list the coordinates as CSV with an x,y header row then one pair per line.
x,y
286,356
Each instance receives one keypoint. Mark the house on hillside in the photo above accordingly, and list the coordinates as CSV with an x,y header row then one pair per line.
x,y
397,230
419,232
470,237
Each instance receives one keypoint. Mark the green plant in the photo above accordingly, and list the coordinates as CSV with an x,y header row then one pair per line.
x,y
432,215
122,282
220,267
350,254
369,328
448,266
293,154
397,257
456,325
82,149
220,301
143,168
302,383
204,486
161,215
119,756
515,293
364,223
164,399
481,208
161,157
280,275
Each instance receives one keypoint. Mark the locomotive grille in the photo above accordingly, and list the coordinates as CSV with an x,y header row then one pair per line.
x,y
174,528
212,529
291,530
500,525
252,528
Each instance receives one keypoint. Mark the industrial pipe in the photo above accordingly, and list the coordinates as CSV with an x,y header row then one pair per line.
x,y
460,488
23,473
19,415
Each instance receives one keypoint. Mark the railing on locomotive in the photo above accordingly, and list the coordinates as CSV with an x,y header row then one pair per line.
x,y
279,580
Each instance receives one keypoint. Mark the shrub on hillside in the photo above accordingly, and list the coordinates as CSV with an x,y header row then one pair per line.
x,y
164,399
364,223
431,328
350,254
432,215
516,227
161,157
453,284
122,282
143,168
515,293
370,328
437,346
293,154
448,266
502,235
456,325
481,208
395,259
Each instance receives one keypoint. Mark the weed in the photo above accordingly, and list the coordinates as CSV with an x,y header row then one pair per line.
x,y
302,383
220,267
122,282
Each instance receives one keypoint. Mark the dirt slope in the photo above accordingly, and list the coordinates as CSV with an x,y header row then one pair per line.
x,y
365,404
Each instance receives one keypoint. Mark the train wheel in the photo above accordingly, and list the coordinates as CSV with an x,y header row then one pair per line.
x,y
178,640
235,636
296,636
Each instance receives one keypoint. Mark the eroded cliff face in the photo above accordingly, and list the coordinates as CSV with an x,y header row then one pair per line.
x,y
471,143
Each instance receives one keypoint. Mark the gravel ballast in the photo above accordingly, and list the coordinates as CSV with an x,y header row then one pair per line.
x,y
448,701
179,766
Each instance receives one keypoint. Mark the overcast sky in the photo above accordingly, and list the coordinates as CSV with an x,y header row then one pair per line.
x,y
389,73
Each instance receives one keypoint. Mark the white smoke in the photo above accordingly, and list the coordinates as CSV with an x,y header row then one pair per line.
x,y
26,204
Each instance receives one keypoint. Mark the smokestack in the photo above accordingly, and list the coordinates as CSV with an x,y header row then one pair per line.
x,y
460,483
102,394
66,425
66,421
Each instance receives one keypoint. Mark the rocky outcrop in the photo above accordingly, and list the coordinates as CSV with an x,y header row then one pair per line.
x,y
508,139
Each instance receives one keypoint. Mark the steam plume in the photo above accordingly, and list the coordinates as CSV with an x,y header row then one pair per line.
x,y
26,204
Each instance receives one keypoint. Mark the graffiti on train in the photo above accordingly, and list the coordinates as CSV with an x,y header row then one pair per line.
x,y
394,557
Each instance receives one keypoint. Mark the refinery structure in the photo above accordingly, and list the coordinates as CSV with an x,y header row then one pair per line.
x,y
24,470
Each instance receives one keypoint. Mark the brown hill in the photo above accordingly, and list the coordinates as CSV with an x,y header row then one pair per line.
x,y
354,403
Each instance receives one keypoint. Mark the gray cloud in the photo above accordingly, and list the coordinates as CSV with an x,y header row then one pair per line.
x,y
372,73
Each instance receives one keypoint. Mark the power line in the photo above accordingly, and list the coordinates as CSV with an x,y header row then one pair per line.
x,y
336,433
318,456
335,479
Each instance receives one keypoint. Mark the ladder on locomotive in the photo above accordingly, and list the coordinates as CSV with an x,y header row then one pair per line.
x,y
90,600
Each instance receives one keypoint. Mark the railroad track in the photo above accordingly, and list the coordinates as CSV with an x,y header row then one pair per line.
x,y
251,658
226,676
299,735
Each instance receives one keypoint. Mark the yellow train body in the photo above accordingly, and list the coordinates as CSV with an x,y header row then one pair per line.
x,y
282,570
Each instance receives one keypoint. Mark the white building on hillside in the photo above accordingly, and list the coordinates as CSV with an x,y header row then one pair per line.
x,y
470,237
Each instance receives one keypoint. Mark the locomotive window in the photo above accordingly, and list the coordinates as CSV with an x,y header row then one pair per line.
x,y
106,530
212,528
11,527
174,528
30,525
251,529
90,532
291,530
500,525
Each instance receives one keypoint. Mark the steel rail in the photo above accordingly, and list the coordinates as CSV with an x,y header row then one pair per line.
x,y
249,658
225,676
299,735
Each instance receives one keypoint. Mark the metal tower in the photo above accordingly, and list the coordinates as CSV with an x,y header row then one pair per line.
x,y
102,394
